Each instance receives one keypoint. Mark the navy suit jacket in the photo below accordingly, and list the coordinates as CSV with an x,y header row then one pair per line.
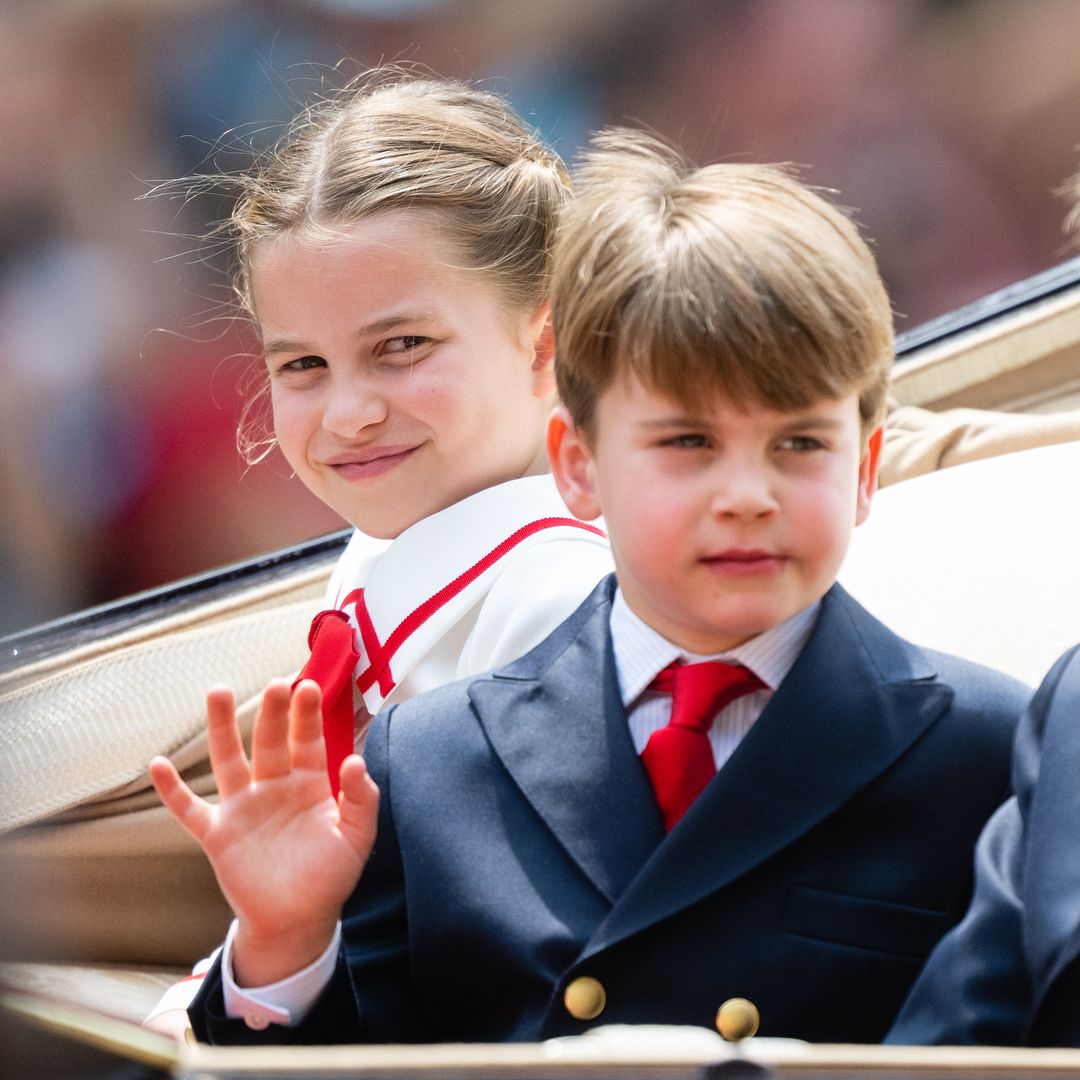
x,y
520,847
1009,974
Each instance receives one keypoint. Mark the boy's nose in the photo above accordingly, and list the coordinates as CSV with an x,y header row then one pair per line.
x,y
351,406
743,494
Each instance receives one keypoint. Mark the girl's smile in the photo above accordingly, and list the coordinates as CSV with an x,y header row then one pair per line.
x,y
373,461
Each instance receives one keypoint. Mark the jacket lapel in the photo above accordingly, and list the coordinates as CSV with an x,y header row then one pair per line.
x,y
831,728
555,720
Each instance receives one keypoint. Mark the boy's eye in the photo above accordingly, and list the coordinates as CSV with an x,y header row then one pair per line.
x,y
687,441
801,444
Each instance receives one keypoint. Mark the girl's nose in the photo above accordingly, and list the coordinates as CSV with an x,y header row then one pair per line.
x,y
352,405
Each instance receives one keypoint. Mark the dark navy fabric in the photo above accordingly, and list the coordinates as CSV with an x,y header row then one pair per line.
x,y
1009,973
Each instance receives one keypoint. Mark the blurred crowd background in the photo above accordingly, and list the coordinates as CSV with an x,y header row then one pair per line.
x,y
947,124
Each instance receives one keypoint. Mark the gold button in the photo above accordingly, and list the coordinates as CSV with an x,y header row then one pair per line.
x,y
737,1019
585,998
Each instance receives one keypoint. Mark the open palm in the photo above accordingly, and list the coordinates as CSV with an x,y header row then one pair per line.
x,y
286,855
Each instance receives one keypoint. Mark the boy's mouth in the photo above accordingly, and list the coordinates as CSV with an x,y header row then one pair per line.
x,y
745,562
371,462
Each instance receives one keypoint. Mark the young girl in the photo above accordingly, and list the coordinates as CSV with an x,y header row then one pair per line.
x,y
394,256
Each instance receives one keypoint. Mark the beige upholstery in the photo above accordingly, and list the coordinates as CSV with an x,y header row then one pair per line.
x,y
104,874
918,441
980,560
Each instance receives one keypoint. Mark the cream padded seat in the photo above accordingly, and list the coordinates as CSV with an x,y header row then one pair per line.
x,y
981,560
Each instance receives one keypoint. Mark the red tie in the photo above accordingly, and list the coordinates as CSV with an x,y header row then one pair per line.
x,y
331,664
678,758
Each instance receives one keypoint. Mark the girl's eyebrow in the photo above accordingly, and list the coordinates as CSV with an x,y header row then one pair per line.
x,y
372,329
394,322
282,345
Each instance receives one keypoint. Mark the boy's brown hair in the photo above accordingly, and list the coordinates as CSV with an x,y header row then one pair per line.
x,y
731,277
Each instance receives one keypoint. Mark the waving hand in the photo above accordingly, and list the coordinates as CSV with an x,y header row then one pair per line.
x,y
286,855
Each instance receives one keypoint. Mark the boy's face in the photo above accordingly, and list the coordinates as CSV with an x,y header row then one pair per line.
x,y
400,383
724,521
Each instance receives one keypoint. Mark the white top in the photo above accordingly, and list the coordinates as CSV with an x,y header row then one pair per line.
x,y
640,653
465,590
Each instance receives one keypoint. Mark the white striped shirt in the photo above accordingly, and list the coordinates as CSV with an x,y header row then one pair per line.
x,y
641,654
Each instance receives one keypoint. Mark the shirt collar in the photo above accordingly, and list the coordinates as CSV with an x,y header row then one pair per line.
x,y
641,653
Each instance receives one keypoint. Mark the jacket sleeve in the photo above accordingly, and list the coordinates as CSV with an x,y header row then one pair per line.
x,y
974,988
977,986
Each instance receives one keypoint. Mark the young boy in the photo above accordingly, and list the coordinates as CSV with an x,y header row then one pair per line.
x,y
551,853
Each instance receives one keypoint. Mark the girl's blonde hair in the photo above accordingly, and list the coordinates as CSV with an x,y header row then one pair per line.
x,y
732,278
392,141
402,143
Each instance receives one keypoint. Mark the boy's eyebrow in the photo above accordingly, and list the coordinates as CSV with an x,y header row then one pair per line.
x,y
372,329
801,422
818,423
674,420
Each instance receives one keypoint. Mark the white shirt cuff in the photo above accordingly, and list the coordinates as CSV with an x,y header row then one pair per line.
x,y
286,1001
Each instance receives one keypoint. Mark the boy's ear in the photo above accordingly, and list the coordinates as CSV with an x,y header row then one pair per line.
x,y
542,338
571,465
868,475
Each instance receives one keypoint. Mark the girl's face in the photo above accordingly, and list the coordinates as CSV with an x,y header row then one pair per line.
x,y
400,382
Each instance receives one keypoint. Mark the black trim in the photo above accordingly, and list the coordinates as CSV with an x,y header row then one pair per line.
x,y
990,308
95,623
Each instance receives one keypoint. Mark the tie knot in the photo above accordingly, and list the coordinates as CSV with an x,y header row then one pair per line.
x,y
678,758
700,691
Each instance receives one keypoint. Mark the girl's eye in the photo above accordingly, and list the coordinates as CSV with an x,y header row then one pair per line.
x,y
405,343
304,363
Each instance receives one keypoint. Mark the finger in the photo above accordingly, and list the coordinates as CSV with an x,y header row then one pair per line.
x,y
227,757
358,805
270,736
306,740
194,814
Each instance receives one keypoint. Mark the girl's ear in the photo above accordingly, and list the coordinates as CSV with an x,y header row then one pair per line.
x,y
572,465
868,475
542,338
